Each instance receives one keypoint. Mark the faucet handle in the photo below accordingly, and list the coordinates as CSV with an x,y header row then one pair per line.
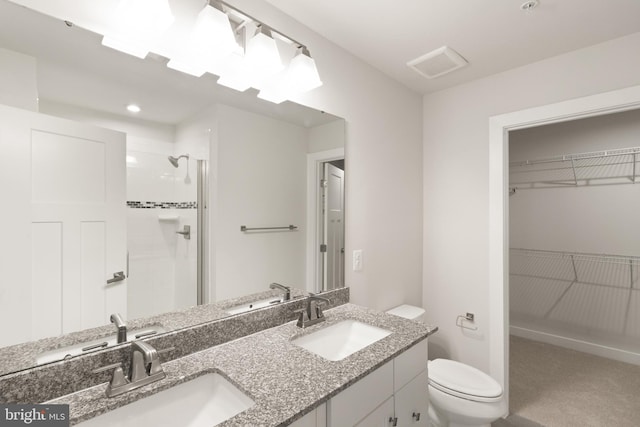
x,y
118,379
302,317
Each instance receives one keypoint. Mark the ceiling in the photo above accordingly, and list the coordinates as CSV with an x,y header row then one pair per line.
x,y
73,68
492,35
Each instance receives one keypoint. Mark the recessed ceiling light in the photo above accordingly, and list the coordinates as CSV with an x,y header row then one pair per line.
x,y
133,108
528,5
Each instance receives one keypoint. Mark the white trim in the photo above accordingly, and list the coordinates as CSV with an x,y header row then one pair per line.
x,y
577,344
499,126
313,233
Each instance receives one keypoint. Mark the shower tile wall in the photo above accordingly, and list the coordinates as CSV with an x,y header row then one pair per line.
x,y
162,264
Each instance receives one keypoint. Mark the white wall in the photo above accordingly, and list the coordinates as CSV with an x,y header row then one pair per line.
x,y
18,84
456,178
383,206
326,137
261,182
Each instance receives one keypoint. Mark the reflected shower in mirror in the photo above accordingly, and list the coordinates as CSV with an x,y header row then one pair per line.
x,y
194,164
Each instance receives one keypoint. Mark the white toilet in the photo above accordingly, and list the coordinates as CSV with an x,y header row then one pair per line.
x,y
459,394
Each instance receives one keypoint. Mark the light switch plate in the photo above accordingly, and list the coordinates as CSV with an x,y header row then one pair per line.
x,y
357,260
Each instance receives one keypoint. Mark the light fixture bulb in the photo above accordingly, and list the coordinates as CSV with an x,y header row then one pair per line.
x,y
138,24
211,41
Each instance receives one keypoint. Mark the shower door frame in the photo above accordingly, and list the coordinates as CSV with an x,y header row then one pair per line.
x,y
202,288
499,127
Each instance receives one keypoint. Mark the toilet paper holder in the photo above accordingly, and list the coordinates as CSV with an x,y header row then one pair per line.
x,y
469,317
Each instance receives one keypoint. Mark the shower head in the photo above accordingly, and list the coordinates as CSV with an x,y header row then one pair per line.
x,y
174,160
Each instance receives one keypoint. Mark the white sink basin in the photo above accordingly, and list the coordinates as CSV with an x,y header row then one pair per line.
x,y
243,308
204,401
338,341
95,345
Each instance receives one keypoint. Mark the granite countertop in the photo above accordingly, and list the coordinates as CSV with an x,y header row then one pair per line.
x,y
284,380
22,356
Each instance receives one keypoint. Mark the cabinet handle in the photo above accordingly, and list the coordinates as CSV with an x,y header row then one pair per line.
x,y
393,421
416,416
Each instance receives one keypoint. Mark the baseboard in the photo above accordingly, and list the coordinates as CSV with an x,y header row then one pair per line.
x,y
576,344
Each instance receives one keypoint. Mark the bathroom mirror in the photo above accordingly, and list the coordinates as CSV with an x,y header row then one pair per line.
x,y
244,145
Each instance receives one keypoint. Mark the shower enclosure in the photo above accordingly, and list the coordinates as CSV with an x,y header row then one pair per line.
x,y
166,225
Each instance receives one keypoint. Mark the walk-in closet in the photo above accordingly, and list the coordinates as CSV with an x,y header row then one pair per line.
x,y
574,231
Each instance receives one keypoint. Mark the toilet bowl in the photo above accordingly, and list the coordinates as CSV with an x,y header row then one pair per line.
x,y
459,395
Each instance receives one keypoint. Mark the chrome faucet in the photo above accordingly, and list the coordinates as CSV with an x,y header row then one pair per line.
x,y
145,369
286,289
312,314
121,325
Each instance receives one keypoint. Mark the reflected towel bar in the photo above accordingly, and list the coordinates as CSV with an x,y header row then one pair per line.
x,y
289,227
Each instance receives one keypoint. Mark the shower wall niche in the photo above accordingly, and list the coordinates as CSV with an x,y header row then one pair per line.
x,y
574,229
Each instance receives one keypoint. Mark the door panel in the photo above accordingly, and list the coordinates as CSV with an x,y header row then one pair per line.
x,y
334,227
66,225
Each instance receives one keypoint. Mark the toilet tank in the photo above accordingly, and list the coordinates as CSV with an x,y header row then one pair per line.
x,y
408,312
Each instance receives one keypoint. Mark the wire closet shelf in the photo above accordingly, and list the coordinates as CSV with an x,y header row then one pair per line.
x,y
619,166
618,271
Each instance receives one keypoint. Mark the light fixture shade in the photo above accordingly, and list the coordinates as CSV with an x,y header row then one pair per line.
x,y
300,76
138,24
210,41
262,58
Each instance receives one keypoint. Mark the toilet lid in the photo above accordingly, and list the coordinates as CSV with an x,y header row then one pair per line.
x,y
464,381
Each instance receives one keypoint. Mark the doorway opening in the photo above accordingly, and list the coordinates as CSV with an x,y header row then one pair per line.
x,y
499,128
574,296
326,217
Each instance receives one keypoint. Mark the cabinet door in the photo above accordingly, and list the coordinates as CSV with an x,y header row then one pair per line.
x,y
380,417
353,404
412,402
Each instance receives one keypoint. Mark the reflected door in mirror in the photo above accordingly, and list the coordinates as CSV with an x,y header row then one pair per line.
x,y
333,225
66,231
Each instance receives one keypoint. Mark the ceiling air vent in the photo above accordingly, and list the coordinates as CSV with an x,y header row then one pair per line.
x,y
438,62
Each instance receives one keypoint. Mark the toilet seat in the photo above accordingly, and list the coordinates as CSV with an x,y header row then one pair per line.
x,y
464,381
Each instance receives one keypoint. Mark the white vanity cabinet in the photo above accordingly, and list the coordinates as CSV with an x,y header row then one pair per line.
x,y
315,418
394,394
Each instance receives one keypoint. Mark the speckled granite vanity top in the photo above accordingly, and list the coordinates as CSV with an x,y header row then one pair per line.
x,y
284,380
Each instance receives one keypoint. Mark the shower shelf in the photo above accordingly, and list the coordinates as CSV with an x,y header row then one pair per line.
x,y
619,166
168,217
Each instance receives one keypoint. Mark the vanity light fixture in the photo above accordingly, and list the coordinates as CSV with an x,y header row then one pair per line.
x,y
137,25
262,56
300,76
223,40
259,64
211,41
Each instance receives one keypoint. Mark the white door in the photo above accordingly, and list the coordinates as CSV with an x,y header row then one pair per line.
x,y
333,227
63,192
